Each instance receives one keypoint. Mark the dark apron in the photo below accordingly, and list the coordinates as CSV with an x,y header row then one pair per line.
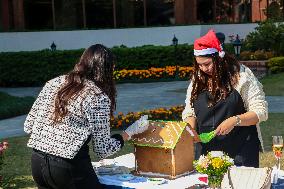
x,y
242,143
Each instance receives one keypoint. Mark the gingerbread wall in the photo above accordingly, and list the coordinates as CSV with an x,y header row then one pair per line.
x,y
184,154
154,160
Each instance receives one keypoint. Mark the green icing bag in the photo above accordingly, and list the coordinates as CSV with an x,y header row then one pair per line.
x,y
206,137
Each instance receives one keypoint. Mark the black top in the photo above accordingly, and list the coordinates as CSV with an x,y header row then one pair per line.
x,y
241,143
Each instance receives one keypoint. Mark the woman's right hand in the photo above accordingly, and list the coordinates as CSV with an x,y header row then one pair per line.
x,y
138,126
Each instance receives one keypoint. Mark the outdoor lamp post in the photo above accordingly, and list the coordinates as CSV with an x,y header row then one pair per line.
x,y
175,44
237,46
175,41
53,46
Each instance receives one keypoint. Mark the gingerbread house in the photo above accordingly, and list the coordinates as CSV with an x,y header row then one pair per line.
x,y
165,150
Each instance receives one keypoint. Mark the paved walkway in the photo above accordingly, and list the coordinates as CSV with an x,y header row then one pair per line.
x,y
130,97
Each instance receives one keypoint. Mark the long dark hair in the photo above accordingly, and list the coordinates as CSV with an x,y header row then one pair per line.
x,y
96,64
224,77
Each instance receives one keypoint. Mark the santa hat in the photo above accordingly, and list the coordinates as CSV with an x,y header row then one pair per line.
x,y
208,44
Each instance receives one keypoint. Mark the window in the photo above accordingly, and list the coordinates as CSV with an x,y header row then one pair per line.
x,y
160,12
130,13
99,13
1,21
205,11
38,14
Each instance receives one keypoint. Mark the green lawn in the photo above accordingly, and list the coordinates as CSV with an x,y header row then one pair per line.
x,y
11,106
17,169
273,84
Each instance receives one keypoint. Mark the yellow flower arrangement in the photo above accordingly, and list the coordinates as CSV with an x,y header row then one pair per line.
x,y
215,164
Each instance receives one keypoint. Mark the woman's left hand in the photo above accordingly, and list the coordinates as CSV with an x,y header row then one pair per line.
x,y
226,126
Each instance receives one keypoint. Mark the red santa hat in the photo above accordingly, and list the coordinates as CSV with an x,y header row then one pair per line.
x,y
208,44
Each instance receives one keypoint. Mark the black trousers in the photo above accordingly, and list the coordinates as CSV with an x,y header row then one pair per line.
x,y
58,173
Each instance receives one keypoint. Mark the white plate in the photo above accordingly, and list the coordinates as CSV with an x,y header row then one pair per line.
x,y
125,177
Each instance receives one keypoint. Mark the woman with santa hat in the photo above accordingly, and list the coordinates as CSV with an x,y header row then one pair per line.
x,y
224,96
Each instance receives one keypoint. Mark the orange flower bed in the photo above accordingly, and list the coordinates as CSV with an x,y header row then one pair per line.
x,y
123,121
154,73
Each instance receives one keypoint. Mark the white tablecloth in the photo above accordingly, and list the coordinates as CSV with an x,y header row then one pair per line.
x,y
128,160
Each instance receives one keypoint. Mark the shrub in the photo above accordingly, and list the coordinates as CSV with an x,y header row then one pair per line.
x,y
269,55
274,11
276,64
267,36
11,106
262,55
246,55
169,72
149,56
257,55
35,68
123,121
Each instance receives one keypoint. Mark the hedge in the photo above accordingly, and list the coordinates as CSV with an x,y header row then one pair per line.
x,y
11,106
37,67
256,55
276,64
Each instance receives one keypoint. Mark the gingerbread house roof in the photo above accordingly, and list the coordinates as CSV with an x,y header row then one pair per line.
x,y
161,134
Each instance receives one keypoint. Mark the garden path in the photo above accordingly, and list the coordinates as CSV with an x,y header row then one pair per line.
x,y
130,97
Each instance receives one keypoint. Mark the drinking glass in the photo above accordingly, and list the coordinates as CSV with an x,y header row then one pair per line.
x,y
277,146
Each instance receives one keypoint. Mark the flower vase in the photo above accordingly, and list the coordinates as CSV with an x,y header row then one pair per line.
x,y
215,181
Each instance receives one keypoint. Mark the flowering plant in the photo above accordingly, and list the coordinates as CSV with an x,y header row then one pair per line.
x,y
153,73
123,121
215,164
3,147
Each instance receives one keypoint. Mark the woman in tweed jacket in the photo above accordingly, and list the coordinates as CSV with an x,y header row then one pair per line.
x,y
70,111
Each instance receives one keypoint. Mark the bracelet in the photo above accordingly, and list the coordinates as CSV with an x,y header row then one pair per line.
x,y
238,120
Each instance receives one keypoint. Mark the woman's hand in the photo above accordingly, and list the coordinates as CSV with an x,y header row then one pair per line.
x,y
226,126
138,126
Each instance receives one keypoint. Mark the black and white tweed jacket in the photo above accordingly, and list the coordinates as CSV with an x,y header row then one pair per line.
x,y
88,114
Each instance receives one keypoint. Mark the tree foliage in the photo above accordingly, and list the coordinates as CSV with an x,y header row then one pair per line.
x,y
268,36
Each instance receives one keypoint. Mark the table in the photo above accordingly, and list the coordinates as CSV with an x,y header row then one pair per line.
x,y
280,183
128,160
139,182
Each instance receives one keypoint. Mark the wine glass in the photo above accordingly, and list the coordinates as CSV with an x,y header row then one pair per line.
x,y
277,146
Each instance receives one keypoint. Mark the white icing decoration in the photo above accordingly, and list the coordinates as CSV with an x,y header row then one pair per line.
x,y
170,141
173,163
190,131
174,128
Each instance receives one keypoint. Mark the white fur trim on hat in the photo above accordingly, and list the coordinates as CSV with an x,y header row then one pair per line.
x,y
205,51
222,54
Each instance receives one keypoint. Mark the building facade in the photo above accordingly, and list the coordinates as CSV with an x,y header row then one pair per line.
x,y
30,15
